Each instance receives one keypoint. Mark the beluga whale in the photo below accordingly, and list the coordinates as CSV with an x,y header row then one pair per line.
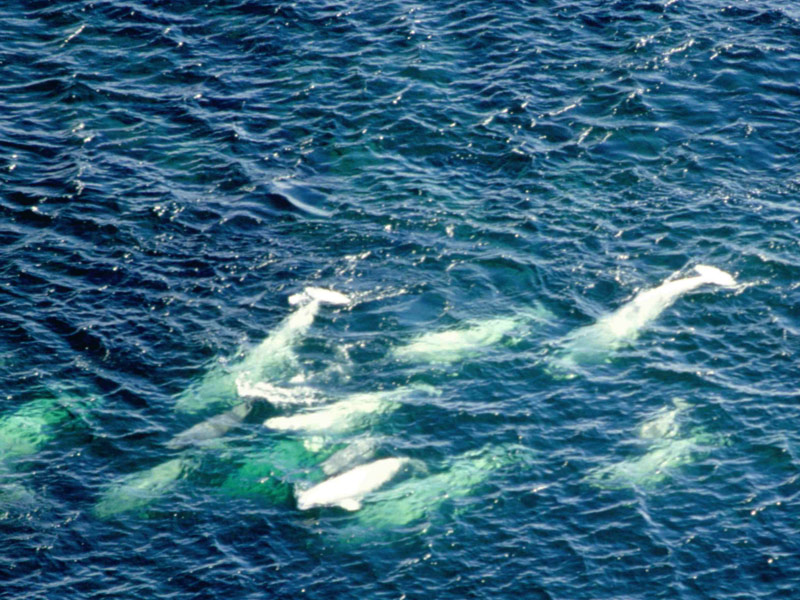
x,y
667,451
27,430
596,342
349,488
273,358
136,491
354,412
469,338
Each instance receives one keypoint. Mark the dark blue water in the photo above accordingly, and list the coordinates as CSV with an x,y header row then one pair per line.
x,y
172,172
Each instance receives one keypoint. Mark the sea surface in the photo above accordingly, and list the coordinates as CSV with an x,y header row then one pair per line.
x,y
501,176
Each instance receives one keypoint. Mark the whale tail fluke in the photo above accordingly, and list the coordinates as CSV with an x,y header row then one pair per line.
x,y
321,295
715,275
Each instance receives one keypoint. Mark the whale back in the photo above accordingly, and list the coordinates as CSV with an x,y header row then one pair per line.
x,y
715,275
347,490
321,295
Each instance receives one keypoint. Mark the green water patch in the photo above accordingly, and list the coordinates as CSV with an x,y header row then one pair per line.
x,y
270,473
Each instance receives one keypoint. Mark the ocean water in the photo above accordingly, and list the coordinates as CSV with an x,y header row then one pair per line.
x,y
489,183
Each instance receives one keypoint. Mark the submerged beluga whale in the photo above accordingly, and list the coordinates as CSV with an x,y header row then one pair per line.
x,y
420,498
454,344
667,450
470,338
137,490
26,431
596,342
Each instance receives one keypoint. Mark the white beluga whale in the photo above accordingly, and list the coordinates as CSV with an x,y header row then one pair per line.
x,y
457,343
338,417
454,344
664,424
349,488
274,358
594,343
321,295
650,468
353,412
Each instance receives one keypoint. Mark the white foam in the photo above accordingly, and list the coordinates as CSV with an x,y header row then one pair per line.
x,y
278,396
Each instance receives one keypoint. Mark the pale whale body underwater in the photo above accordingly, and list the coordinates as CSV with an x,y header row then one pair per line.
x,y
667,450
28,430
320,430
23,433
468,340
